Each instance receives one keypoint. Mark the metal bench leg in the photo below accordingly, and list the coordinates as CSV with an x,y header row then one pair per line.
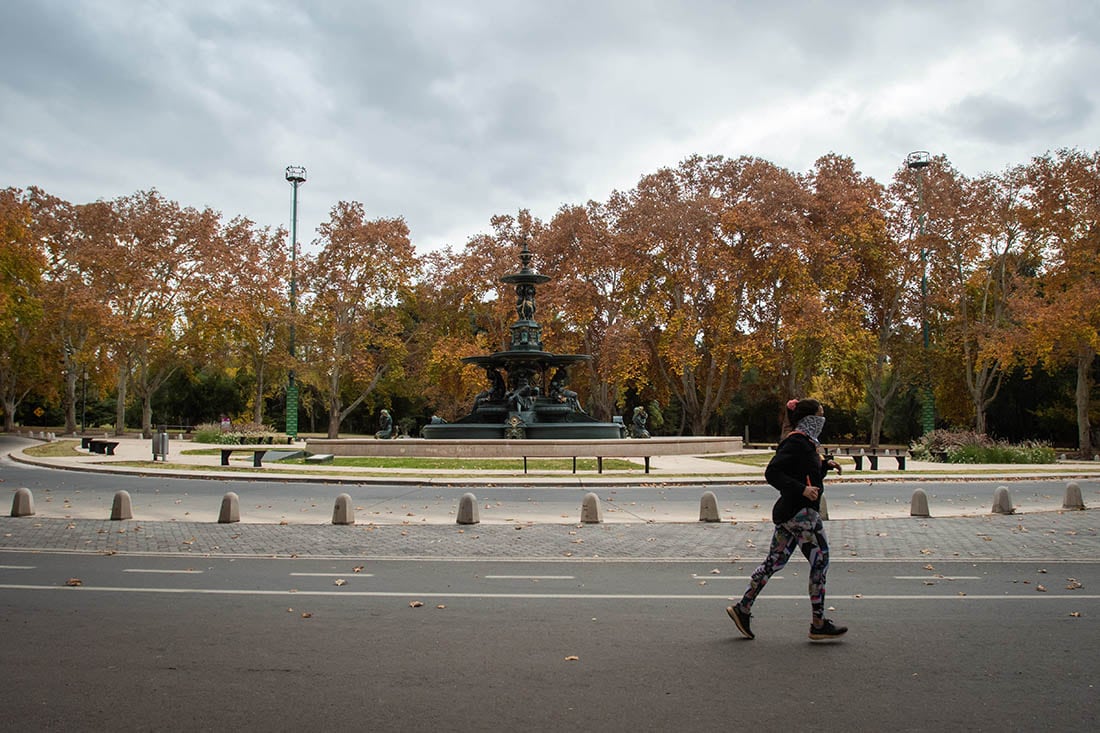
x,y
599,464
574,464
873,460
647,464
859,462
525,464
225,457
257,456
901,463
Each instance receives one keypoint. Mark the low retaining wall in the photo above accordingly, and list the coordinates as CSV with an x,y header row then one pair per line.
x,y
628,448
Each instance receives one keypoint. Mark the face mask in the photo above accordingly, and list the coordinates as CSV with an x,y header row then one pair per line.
x,y
811,425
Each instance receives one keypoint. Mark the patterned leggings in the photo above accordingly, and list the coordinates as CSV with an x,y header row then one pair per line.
x,y
806,531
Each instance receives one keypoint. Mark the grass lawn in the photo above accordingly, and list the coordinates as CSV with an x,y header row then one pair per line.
x,y
56,449
460,464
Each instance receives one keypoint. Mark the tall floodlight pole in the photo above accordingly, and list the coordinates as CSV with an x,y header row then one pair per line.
x,y
296,175
918,161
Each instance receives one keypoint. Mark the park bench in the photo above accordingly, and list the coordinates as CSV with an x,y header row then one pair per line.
x,y
103,447
549,454
858,453
257,454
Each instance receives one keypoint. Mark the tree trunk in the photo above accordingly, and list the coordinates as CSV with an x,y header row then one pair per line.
x,y
334,405
878,417
9,415
70,398
120,402
258,405
147,416
1085,358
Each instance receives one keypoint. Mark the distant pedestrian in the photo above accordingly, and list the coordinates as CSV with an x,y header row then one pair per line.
x,y
798,472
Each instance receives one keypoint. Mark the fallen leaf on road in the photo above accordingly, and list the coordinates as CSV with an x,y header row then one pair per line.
x,y
74,582
441,606
307,614
573,659
415,604
1075,614
1073,584
1041,588
339,581
357,569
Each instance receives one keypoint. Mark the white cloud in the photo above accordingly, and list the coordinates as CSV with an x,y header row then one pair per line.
x,y
447,113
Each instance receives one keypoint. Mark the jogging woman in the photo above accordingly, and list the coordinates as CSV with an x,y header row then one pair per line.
x,y
798,472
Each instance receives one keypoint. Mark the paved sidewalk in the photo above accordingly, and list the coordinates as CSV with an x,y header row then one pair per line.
x,y
1040,537
134,456
1033,537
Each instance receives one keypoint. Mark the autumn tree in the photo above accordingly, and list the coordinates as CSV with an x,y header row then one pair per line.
x,y
881,290
245,305
783,264
158,252
449,308
585,305
866,278
356,332
24,352
687,291
1061,315
978,253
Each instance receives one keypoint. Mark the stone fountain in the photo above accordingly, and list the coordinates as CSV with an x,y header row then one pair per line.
x,y
527,397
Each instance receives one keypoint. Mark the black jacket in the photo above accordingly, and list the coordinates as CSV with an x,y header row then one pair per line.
x,y
794,461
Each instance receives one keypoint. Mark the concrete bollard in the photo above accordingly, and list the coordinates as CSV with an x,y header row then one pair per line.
x,y
708,507
1073,498
591,511
824,510
343,512
1002,501
467,510
918,505
231,509
22,504
122,507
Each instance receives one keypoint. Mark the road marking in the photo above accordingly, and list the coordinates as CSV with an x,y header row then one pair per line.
x,y
332,575
163,572
16,567
729,577
530,577
937,577
536,596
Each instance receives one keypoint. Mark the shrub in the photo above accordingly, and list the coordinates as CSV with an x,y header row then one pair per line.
x,y
963,446
936,445
237,434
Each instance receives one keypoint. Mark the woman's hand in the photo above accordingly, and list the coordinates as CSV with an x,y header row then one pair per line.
x,y
811,492
833,465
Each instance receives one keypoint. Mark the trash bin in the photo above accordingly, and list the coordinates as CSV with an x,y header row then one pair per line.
x,y
160,445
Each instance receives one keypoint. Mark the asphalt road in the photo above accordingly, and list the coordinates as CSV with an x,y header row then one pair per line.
x,y
184,643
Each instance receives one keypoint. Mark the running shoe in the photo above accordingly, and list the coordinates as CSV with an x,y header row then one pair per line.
x,y
827,630
741,618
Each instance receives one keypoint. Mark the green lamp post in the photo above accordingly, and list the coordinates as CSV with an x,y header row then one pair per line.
x,y
296,175
918,161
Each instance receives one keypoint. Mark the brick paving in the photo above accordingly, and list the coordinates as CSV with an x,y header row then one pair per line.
x,y
1044,536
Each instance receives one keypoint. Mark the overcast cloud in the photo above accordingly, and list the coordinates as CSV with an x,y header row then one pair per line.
x,y
447,113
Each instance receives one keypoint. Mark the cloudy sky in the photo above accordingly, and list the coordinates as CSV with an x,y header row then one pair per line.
x,y
448,112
